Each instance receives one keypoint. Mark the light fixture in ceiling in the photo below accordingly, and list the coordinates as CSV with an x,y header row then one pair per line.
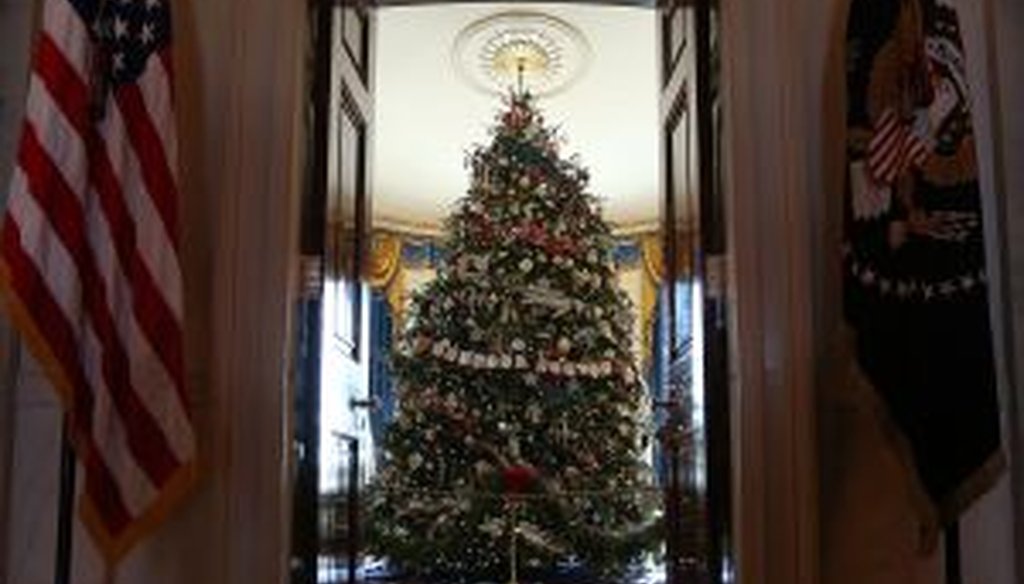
x,y
539,52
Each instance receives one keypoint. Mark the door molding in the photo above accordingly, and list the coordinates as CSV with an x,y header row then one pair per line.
x,y
768,202
256,262
774,489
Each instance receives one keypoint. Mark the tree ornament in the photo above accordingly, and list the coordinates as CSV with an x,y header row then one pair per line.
x,y
519,478
415,460
438,350
563,346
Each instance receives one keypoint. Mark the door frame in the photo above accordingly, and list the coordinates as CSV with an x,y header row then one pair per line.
x,y
768,209
772,401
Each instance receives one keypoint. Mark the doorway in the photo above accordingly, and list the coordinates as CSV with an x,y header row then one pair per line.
x,y
376,236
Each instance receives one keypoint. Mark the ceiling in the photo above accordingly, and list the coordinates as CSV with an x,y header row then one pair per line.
x,y
427,116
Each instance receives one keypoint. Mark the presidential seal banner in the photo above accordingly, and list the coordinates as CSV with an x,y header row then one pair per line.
x,y
915,284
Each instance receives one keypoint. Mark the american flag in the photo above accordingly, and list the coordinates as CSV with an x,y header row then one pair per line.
x,y
89,250
893,149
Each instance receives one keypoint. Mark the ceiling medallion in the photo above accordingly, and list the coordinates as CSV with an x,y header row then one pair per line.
x,y
543,53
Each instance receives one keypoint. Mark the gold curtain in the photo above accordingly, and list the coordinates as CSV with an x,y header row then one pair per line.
x,y
653,260
386,269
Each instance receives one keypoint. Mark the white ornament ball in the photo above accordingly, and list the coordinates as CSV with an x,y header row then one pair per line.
x,y
564,345
415,460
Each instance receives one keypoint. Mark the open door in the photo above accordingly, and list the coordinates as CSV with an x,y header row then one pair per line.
x,y
331,435
696,390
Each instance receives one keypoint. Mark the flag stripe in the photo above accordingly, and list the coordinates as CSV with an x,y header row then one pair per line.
x,y
27,282
146,142
108,430
151,307
918,150
66,217
59,78
162,396
50,259
889,160
156,250
884,148
63,25
155,316
158,95
111,436
885,128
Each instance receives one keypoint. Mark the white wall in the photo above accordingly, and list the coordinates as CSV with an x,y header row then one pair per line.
x,y
987,529
1005,20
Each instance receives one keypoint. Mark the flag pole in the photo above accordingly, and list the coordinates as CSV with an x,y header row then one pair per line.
x,y
65,507
952,551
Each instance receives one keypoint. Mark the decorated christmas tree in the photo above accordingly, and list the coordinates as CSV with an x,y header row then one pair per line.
x,y
521,416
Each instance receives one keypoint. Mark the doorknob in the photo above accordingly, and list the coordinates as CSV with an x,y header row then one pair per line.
x,y
368,403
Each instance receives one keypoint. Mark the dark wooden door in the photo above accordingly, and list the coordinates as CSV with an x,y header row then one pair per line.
x,y
331,428
697,378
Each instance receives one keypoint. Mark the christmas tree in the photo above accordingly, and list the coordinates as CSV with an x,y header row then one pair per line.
x,y
517,382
